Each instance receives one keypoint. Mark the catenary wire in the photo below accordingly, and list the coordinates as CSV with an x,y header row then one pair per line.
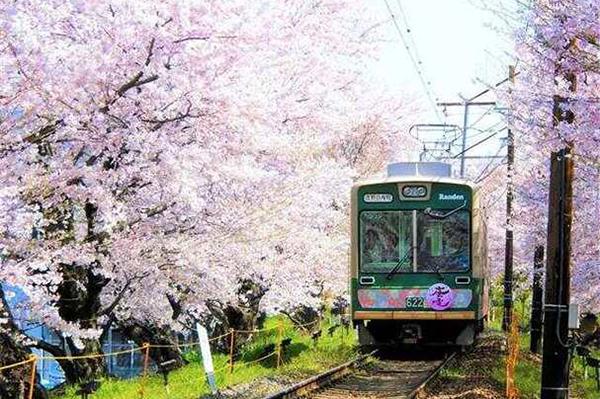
x,y
420,73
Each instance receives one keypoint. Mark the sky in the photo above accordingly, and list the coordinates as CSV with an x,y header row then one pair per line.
x,y
460,51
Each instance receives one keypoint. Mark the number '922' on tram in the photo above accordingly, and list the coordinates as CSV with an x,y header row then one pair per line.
x,y
418,263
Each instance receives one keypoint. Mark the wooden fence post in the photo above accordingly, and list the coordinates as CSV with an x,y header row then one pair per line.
x,y
146,348
231,347
32,376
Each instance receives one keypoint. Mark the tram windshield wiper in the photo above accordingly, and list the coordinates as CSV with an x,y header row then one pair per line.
x,y
437,215
439,273
400,262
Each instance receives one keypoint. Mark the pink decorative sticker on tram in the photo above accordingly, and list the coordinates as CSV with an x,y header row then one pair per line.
x,y
439,297
403,298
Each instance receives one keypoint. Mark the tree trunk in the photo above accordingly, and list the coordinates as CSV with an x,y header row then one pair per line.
x,y
305,317
79,302
78,370
14,383
160,336
244,315
84,370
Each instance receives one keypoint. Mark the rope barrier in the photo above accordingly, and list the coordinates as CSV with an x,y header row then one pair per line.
x,y
15,365
32,376
221,369
92,356
308,324
220,336
256,330
231,350
142,391
157,346
189,344
279,338
143,380
146,347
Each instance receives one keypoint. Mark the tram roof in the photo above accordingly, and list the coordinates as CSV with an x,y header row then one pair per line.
x,y
414,179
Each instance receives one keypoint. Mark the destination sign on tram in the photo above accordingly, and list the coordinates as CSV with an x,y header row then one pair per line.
x,y
378,197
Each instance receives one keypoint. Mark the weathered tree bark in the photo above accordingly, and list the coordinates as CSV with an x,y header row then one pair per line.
x,y
304,316
78,297
78,370
14,383
243,315
79,302
160,336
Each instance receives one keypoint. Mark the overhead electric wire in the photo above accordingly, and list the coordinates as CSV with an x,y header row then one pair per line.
x,y
411,37
425,83
483,175
491,172
406,37
479,132
490,109
479,142
495,200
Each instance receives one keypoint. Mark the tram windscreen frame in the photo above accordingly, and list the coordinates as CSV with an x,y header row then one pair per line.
x,y
424,243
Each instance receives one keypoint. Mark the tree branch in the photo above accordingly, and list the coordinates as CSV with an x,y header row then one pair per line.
x,y
185,39
110,308
150,53
136,81
158,123
188,38
54,350
44,132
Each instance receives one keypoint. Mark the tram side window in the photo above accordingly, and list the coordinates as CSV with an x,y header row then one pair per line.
x,y
444,243
386,238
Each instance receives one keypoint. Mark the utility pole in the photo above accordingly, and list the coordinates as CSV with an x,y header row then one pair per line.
x,y
466,104
508,249
555,357
555,364
537,301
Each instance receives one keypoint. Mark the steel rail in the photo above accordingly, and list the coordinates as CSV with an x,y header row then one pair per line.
x,y
324,381
318,380
431,376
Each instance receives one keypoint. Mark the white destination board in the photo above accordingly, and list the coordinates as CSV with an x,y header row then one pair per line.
x,y
379,197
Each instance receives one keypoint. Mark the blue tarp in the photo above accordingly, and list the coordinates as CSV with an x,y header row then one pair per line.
x,y
124,366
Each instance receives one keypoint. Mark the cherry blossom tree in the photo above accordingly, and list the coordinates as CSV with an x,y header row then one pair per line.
x,y
555,105
156,157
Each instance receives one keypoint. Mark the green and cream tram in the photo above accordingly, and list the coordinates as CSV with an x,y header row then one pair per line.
x,y
418,262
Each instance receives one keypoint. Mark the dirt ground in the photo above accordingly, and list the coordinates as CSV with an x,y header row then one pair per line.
x,y
472,379
256,389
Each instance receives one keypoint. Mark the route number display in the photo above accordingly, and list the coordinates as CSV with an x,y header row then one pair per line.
x,y
415,302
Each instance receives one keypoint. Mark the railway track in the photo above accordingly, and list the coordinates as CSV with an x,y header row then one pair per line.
x,y
382,378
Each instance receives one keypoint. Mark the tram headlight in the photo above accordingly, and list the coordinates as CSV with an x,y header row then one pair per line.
x,y
414,191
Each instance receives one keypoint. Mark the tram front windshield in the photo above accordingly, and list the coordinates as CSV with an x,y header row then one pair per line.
x,y
388,238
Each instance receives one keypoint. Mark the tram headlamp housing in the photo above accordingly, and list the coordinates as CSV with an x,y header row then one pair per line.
x,y
414,191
